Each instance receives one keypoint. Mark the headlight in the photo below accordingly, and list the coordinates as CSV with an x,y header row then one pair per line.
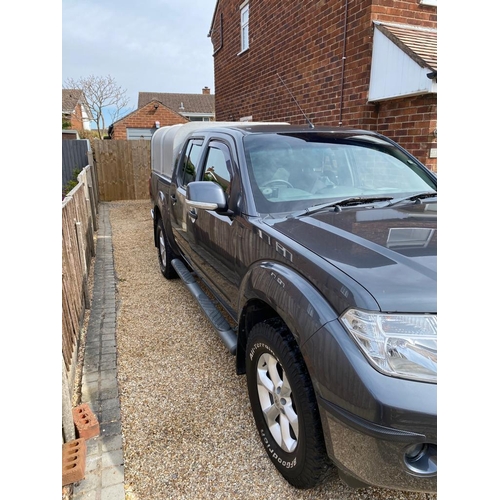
x,y
400,345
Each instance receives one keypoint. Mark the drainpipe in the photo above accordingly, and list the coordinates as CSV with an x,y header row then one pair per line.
x,y
343,65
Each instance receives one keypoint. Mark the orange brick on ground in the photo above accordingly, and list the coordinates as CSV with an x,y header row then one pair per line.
x,y
73,461
87,425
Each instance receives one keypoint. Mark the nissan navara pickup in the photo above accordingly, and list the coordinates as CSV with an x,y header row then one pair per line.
x,y
312,251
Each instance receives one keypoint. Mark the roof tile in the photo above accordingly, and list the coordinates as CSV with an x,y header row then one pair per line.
x,y
192,103
419,42
70,98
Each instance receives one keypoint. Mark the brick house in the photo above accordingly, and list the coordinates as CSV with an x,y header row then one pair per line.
x,y
142,123
367,63
75,111
157,109
195,107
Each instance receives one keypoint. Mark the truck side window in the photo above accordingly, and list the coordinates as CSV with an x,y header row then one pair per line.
x,y
217,168
189,162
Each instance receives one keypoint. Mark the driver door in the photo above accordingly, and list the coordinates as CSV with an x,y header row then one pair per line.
x,y
214,235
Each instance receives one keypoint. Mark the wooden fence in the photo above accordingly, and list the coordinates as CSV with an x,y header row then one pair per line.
x,y
123,168
79,224
116,170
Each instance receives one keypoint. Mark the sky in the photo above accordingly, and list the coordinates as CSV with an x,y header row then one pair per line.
x,y
147,46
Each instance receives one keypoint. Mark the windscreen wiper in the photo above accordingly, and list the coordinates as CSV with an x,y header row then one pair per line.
x,y
346,202
417,198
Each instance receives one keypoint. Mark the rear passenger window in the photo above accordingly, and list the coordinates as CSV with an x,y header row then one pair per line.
x,y
189,162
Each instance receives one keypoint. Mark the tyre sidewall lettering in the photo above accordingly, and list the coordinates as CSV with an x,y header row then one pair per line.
x,y
261,345
273,454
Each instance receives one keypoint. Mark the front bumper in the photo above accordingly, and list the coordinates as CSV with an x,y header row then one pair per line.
x,y
379,430
379,458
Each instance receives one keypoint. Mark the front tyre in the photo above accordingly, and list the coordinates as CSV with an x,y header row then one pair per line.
x,y
284,405
165,254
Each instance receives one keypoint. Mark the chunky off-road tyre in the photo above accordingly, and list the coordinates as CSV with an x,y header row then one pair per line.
x,y
165,254
284,405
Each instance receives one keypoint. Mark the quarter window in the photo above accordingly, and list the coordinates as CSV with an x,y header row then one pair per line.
x,y
245,14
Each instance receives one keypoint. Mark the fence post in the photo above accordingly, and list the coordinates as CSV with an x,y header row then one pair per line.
x,y
68,425
85,176
92,189
81,248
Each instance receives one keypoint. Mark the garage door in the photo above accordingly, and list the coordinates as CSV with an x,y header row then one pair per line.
x,y
140,133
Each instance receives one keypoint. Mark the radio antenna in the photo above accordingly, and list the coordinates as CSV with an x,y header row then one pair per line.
x,y
295,101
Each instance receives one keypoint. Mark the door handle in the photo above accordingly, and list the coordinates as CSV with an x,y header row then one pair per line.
x,y
173,198
193,214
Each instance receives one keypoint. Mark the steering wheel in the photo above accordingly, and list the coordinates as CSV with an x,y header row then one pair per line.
x,y
277,181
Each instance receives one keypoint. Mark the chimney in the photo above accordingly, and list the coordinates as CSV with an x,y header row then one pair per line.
x,y
205,91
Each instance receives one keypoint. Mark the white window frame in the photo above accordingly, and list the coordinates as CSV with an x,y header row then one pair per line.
x,y
432,3
244,26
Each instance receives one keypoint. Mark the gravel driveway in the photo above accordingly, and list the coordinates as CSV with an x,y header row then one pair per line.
x,y
188,430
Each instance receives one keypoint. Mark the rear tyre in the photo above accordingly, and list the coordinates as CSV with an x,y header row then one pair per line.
x,y
284,405
165,254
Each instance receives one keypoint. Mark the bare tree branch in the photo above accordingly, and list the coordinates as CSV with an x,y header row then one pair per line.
x,y
101,93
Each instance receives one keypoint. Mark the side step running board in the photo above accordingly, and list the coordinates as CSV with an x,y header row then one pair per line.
x,y
224,330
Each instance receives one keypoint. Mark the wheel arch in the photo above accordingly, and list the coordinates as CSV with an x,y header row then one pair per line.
x,y
161,212
271,289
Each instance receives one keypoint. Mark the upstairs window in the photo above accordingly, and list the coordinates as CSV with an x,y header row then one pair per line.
x,y
244,14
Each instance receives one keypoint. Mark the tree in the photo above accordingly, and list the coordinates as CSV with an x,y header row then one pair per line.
x,y
100,93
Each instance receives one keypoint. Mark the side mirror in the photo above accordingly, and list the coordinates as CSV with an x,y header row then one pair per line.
x,y
206,195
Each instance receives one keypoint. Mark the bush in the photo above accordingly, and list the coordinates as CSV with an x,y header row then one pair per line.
x,y
71,183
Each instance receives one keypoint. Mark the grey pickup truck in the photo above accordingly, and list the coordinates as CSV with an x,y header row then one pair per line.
x,y
312,251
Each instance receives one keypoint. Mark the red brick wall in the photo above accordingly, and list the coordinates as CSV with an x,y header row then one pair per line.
x,y
405,12
76,119
304,42
146,117
412,123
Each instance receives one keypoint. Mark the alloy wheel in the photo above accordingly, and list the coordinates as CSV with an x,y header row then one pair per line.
x,y
276,401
